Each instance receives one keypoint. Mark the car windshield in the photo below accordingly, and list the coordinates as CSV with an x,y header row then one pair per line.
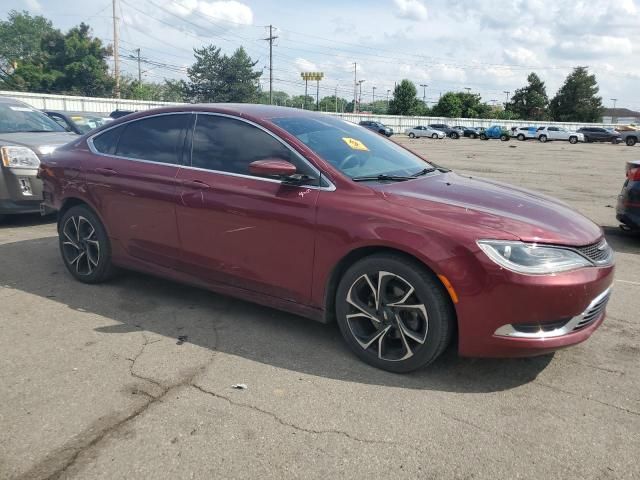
x,y
16,118
88,122
355,151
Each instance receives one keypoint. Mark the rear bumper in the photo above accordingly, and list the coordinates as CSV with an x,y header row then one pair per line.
x,y
8,207
628,207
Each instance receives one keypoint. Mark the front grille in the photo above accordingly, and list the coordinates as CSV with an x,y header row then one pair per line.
x,y
599,253
594,311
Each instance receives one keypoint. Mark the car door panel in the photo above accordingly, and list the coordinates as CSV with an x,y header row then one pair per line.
x,y
137,199
249,232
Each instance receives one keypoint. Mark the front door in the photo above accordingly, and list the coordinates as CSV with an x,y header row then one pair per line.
x,y
132,179
243,230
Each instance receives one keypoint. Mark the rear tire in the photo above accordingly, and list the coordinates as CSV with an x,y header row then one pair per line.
x,y
434,136
84,245
573,140
483,137
407,327
630,141
455,136
473,135
504,138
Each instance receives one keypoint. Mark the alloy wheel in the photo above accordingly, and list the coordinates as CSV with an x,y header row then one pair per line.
x,y
385,316
80,245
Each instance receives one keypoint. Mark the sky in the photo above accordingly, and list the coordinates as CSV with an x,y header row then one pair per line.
x,y
486,46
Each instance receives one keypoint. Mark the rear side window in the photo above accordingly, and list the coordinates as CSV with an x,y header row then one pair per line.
x,y
108,141
156,139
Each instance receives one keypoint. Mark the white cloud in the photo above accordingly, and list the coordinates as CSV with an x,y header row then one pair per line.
x,y
520,56
596,46
411,9
304,65
225,10
33,6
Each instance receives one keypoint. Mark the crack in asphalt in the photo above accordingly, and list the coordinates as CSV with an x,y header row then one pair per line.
x,y
289,424
81,447
567,392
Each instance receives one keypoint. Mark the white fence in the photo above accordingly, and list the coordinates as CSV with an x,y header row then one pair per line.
x,y
399,123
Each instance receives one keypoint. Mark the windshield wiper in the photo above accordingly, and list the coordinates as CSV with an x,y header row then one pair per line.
x,y
381,178
424,171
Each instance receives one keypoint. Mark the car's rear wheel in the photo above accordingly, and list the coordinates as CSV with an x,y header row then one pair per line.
x,y
631,141
455,136
504,138
521,137
434,136
483,136
84,245
393,313
543,138
473,135
412,135
573,140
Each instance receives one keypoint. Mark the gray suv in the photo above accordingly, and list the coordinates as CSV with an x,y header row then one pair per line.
x,y
26,135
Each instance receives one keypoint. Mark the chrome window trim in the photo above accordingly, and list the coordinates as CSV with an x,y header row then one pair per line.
x,y
321,175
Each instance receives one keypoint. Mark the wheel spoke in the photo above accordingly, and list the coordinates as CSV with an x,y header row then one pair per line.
x,y
353,300
72,244
76,225
70,240
405,343
404,330
383,280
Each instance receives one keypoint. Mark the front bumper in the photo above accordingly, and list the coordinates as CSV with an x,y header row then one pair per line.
x,y
491,298
20,191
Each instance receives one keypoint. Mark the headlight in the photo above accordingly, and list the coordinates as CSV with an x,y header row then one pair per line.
x,y
532,259
19,157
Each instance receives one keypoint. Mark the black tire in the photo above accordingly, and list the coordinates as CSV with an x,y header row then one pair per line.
x,y
630,141
84,245
454,135
483,137
521,137
587,139
473,135
412,135
614,141
504,138
573,140
543,138
434,136
381,343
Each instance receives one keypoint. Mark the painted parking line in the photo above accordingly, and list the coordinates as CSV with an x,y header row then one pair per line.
x,y
628,281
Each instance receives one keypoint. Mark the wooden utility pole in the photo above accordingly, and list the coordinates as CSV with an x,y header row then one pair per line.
x,y
270,39
116,54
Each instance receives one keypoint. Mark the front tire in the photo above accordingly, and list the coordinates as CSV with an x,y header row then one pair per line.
x,y
504,138
84,245
483,137
630,141
521,137
455,136
393,313
412,135
573,140
434,136
543,138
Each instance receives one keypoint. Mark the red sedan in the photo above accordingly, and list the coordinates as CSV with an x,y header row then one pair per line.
x,y
314,215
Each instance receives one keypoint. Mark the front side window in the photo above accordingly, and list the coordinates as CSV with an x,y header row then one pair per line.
x,y
354,151
108,141
156,139
228,145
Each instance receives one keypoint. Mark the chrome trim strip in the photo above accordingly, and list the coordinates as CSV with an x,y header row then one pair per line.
x,y
330,188
576,322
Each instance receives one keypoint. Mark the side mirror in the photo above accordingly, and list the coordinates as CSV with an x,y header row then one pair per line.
x,y
272,167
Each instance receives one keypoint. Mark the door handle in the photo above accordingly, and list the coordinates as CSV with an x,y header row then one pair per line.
x,y
107,172
196,184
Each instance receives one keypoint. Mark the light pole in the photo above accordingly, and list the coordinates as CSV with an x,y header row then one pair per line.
x,y
614,100
360,82
468,89
336,98
424,92
317,76
373,96
506,92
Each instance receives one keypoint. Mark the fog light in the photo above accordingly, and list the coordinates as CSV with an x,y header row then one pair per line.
x,y
25,186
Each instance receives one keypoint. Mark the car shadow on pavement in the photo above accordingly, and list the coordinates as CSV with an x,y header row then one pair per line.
x,y
621,241
140,302
27,220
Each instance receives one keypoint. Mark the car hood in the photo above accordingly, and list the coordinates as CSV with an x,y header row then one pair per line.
x,y
527,215
37,140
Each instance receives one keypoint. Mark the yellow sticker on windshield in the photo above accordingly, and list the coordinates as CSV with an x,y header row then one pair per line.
x,y
355,144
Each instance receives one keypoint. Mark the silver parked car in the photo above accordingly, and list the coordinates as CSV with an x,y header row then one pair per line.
x,y
26,135
421,131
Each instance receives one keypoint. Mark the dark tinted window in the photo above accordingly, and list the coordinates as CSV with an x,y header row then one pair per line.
x,y
108,141
157,139
553,129
228,145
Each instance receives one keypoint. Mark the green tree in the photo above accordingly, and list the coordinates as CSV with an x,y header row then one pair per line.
x,y
299,100
461,105
577,99
278,97
215,77
21,38
404,101
530,102
328,104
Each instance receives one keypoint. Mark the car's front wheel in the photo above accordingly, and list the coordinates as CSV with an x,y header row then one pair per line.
x,y
84,245
393,313
455,136
573,140
434,136
543,138
521,137
630,141
412,135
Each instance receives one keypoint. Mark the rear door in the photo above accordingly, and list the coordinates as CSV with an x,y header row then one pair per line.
x,y
132,179
240,229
